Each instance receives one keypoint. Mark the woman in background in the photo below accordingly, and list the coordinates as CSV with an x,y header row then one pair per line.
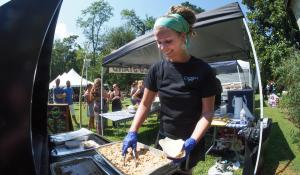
x,y
138,95
115,97
96,94
133,89
90,106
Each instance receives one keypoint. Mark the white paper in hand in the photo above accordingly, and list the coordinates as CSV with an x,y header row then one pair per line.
x,y
172,148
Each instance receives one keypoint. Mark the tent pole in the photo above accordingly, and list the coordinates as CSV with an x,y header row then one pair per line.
x,y
260,93
80,89
101,111
86,76
250,78
237,67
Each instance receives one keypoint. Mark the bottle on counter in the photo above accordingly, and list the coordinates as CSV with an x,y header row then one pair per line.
x,y
243,115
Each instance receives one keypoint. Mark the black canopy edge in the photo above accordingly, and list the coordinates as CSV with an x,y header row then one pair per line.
x,y
228,12
143,41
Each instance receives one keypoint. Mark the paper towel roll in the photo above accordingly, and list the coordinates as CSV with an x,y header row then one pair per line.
x,y
238,104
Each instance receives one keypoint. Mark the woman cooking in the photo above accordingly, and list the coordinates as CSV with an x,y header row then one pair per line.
x,y
186,86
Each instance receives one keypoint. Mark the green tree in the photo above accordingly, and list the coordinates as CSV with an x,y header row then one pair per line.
x,y
273,32
114,39
276,38
64,56
139,25
117,37
91,21
288,75
193,7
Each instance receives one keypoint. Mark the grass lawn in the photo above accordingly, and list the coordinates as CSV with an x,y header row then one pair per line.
x,y
281,155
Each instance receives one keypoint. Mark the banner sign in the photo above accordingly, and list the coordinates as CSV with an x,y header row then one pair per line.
x,y
59,118
130,70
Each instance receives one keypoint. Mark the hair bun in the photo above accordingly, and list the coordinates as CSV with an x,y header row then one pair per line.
x,y
172,10
187,13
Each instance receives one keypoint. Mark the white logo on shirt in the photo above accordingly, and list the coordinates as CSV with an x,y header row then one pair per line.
x,y
190,79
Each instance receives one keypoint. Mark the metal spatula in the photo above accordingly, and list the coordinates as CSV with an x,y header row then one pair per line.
x,y
124,160
134,156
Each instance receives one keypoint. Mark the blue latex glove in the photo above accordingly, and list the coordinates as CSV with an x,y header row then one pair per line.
x,y
188,146
129,141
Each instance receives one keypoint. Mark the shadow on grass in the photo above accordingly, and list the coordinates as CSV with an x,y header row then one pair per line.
x,y
117,133
151,125
277,150
148,136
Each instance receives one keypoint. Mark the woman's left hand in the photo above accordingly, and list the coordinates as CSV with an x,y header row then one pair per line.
x,y
188,146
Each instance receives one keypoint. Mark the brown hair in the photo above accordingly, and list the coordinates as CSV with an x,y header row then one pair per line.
x,y
89,85
97,83
96,89
116,85
187,13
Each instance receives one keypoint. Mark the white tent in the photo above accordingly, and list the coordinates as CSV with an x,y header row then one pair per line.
x,y
73,77
233,71
61,77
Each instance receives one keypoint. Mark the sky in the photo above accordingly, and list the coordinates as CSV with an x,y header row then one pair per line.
x,y
71,10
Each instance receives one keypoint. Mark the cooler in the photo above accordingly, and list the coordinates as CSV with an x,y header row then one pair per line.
x,y
246,94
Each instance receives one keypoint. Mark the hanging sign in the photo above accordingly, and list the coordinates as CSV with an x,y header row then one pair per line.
x,y
130,70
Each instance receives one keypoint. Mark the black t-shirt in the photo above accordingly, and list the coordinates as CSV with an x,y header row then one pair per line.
x,y
181,87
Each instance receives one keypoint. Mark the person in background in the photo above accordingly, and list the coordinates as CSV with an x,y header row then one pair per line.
x,y
90,106
266,90
186,86
109,90
58,93
272,89
115,97
138,95
133,89
96,94
69,100
218,97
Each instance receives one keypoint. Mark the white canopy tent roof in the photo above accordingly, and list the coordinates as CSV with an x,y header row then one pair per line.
x,y
73,77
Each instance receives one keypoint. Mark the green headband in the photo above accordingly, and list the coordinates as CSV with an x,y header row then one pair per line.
x,y
175,22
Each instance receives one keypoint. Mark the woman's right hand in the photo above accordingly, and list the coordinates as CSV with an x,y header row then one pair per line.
x,y
129,141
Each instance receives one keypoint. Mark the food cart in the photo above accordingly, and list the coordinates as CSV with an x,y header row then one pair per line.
x,y
26,38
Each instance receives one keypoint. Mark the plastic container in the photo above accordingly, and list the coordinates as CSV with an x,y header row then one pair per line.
x,y
243,115
246,94
74,146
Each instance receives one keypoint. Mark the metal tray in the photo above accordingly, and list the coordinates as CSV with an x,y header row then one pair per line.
x,y
166,169
62,150
78,166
